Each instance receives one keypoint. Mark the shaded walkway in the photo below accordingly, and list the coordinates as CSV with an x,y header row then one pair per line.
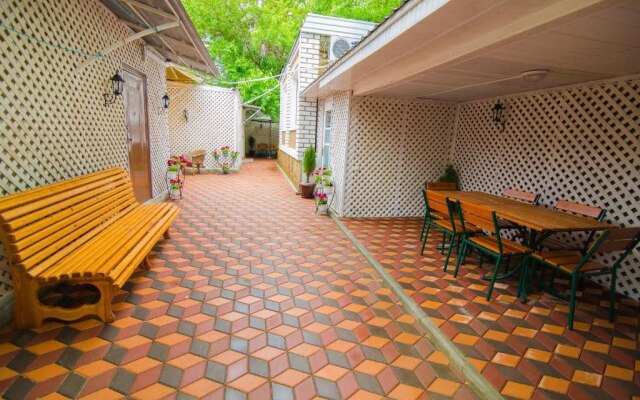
x,y
524,350
254,297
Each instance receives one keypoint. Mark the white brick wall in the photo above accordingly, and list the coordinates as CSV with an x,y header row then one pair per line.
x,y
307,108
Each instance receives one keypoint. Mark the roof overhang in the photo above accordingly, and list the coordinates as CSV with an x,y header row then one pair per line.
x,y
459,50
180,44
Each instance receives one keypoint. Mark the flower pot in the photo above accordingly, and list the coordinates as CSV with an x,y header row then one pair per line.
x,y
323,208
174,192
172,175
306,190
328,189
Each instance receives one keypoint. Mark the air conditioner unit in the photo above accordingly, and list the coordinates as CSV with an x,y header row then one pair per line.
x,y
340,46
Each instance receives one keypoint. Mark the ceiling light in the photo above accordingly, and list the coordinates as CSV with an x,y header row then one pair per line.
x,y
534,75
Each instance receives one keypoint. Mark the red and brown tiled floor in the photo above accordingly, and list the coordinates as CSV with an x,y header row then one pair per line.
x,y
524,350
254,297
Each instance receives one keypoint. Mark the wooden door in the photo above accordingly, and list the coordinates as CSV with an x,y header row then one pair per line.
x,y
135,106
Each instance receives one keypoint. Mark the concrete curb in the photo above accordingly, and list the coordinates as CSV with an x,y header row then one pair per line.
x,y
479,384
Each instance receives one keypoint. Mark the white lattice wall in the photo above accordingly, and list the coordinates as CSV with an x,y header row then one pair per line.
x,y
340,104
213,120
580,144
53,120
262,132
394,146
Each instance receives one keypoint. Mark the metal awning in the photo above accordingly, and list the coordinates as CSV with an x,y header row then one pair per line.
x,y
179,43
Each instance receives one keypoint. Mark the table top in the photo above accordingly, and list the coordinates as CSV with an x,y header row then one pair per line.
x,y
537,218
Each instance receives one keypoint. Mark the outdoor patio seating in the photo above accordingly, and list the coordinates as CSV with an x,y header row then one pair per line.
x,y
577,265
493,245
527,197
597,213
449,224
434,214
83,231
197,159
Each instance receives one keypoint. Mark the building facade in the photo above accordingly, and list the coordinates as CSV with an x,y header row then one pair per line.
x,y
407,101
321,41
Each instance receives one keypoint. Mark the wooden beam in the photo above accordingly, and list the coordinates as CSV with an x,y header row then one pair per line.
x,y
142,6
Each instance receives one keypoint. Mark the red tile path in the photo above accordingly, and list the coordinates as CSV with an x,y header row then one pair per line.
x,y
254,297
524,350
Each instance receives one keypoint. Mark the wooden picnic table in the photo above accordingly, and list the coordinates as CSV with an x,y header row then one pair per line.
x,y
535,218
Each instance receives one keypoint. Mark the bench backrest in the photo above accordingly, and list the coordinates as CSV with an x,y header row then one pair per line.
x,y
528,197
581,209
41,223
441,186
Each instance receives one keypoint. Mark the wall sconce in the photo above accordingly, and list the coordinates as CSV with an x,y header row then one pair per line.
x,y
117,86
164,104
498,115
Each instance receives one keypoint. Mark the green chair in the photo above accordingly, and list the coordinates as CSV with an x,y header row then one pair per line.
x,y
493,245
448,224
434,215
577,265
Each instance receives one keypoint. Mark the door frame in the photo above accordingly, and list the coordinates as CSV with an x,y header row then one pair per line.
x,y
132,70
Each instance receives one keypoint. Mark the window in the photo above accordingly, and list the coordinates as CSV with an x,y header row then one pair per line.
x,y
327,139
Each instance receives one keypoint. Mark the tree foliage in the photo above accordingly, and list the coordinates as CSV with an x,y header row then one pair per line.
x,y
251,39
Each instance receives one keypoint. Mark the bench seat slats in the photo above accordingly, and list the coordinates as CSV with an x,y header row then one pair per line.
x,y
70,193
96,257
51,222
89,229
47,241
118,275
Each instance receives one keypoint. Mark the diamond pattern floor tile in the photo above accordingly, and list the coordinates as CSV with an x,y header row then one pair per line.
x,y
524,350
253,297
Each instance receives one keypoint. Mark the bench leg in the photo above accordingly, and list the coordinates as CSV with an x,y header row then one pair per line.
x,y
27,310
167,235
104,308
147,263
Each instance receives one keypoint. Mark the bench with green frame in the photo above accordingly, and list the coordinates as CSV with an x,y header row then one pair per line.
x,y
583,210
493,245
439,204
578,265
432,215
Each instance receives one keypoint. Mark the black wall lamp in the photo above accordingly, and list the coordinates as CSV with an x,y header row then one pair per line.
x,y
498,115
117,86
164,104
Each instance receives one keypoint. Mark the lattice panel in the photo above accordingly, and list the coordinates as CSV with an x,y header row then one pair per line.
x,y
394,146
211,121
337,150
580,144
262,132
53,121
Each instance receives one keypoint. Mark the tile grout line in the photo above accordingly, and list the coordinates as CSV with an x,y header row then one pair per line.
x,y
480,385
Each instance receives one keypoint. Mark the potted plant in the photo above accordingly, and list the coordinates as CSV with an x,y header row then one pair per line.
x,y
225,150
322,201
328,185
216,155
252,142
226,168
450,175
173,168
175,188
234,155
308,165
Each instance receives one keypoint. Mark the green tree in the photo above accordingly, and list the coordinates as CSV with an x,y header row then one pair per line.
x,y
251,39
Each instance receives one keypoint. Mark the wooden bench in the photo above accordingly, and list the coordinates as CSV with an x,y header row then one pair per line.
x,y
89,230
